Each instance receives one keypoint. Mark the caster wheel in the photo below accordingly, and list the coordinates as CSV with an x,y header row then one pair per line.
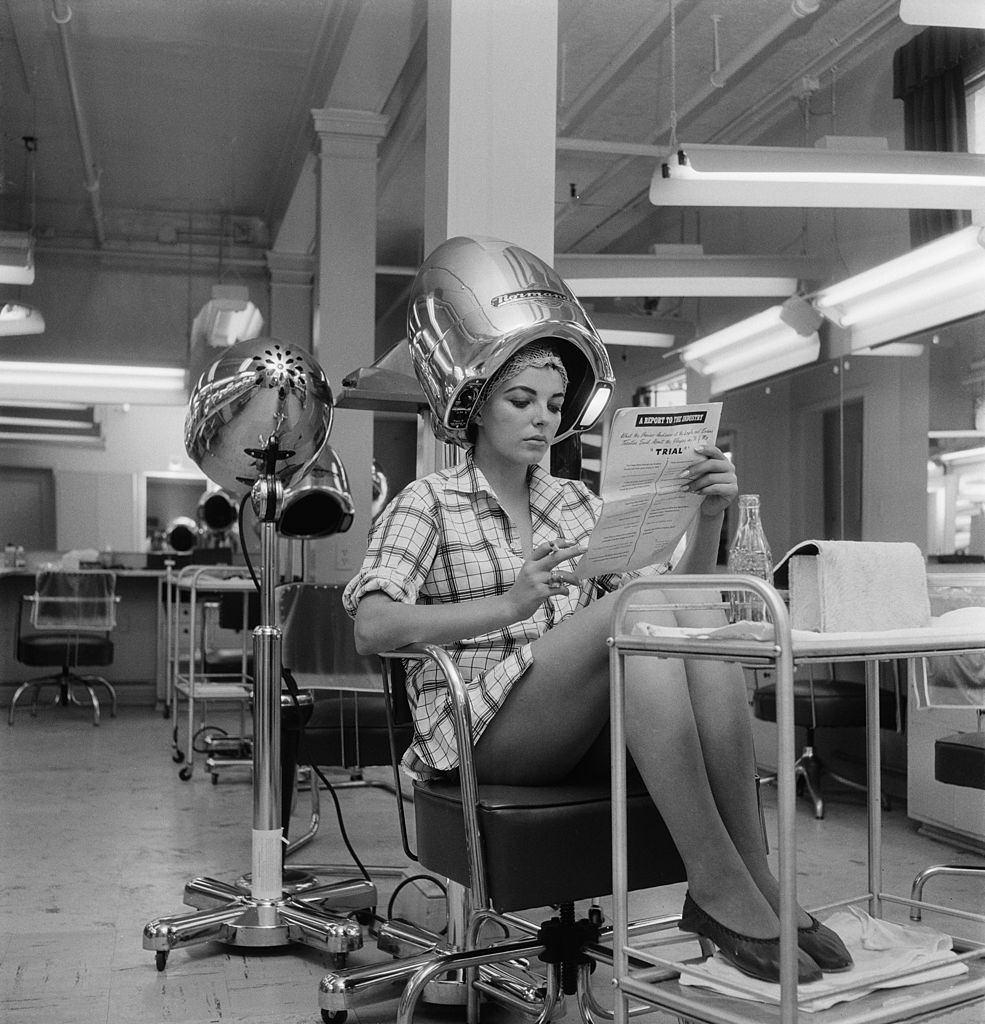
x,y
161,959
338,964
334,1016
185,774
177,757
215,778
364,917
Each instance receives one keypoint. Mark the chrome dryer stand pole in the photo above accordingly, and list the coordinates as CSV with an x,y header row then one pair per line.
x,y
257,910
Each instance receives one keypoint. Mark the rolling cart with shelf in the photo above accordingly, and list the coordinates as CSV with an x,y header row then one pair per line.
x,y
191,592
642,979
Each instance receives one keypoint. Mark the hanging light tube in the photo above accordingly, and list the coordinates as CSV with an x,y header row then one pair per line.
x,y
95,382
934,284
951,13
780,338
780,176
625,275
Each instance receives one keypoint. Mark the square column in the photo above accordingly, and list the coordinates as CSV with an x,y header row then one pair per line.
x,y
291,293
345,291
491,121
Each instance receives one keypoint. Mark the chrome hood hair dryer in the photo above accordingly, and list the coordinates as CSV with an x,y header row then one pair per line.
x,y
476,301
258,418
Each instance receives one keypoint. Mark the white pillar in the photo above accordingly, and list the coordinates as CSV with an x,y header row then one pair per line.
x,y
291,297
491,121
491,124
345,289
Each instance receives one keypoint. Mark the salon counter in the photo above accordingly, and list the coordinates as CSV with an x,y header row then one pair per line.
x,y
137,671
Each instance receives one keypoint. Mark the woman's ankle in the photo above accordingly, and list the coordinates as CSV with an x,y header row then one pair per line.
x,y
748,914
770,888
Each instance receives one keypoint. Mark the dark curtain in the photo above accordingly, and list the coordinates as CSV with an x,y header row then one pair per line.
x,y
929,75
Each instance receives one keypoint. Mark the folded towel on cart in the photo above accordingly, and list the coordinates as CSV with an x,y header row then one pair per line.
x,y
882,951
804,640
839,585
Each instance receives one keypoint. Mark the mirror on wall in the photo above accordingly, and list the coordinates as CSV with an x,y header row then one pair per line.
x,y
170,510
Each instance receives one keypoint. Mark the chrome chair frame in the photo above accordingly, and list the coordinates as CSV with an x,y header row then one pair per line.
x,y
454,968
66,678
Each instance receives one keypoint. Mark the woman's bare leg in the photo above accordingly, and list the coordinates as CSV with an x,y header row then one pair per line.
x,y
557,709
555,713
717,692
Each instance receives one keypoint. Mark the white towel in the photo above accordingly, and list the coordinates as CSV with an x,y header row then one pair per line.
x,y
879,949
847,586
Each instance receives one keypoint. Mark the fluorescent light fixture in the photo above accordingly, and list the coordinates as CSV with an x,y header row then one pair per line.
x,y
967,455
49,423
777,176
639,331
952,13
638,337
934,284
778,339
683,276
16,258
16,319
92,382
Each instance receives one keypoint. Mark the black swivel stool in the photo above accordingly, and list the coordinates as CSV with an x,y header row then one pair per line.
x,y
959,760
826,704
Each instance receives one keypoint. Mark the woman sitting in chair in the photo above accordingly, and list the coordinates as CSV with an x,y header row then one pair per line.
x,y
479,558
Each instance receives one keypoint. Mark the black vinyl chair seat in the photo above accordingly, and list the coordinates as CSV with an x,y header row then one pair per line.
x,y
70,650
530,833
959,759
836,704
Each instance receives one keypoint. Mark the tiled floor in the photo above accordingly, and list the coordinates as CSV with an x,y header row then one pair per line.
x,y
98,836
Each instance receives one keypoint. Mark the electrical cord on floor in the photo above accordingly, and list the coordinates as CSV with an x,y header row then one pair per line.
x,y
292,689
439,885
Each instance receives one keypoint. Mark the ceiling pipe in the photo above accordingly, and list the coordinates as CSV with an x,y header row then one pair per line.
x,y
62,14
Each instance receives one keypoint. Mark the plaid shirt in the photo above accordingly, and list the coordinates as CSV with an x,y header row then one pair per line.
x,y
445,537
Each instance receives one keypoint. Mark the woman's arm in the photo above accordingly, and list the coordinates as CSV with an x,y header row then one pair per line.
x,y
714,478
383,624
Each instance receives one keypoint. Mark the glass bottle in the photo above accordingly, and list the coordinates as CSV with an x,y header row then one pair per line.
x,y
750,555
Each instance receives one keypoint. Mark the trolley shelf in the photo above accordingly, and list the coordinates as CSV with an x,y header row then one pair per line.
x,y
641,977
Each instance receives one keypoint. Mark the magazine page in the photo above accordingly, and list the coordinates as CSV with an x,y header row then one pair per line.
x,y
644,511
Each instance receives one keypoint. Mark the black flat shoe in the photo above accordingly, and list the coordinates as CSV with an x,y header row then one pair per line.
x,y
759,958
824,946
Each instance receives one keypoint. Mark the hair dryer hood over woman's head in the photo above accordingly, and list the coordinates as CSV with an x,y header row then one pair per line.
x,y
476,301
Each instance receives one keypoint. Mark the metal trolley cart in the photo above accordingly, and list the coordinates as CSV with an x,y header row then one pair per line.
x,y
191,592
643,980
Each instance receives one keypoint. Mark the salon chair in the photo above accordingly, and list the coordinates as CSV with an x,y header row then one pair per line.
x,y
831,704
954,683
346,725
504,849
959,760
68,625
